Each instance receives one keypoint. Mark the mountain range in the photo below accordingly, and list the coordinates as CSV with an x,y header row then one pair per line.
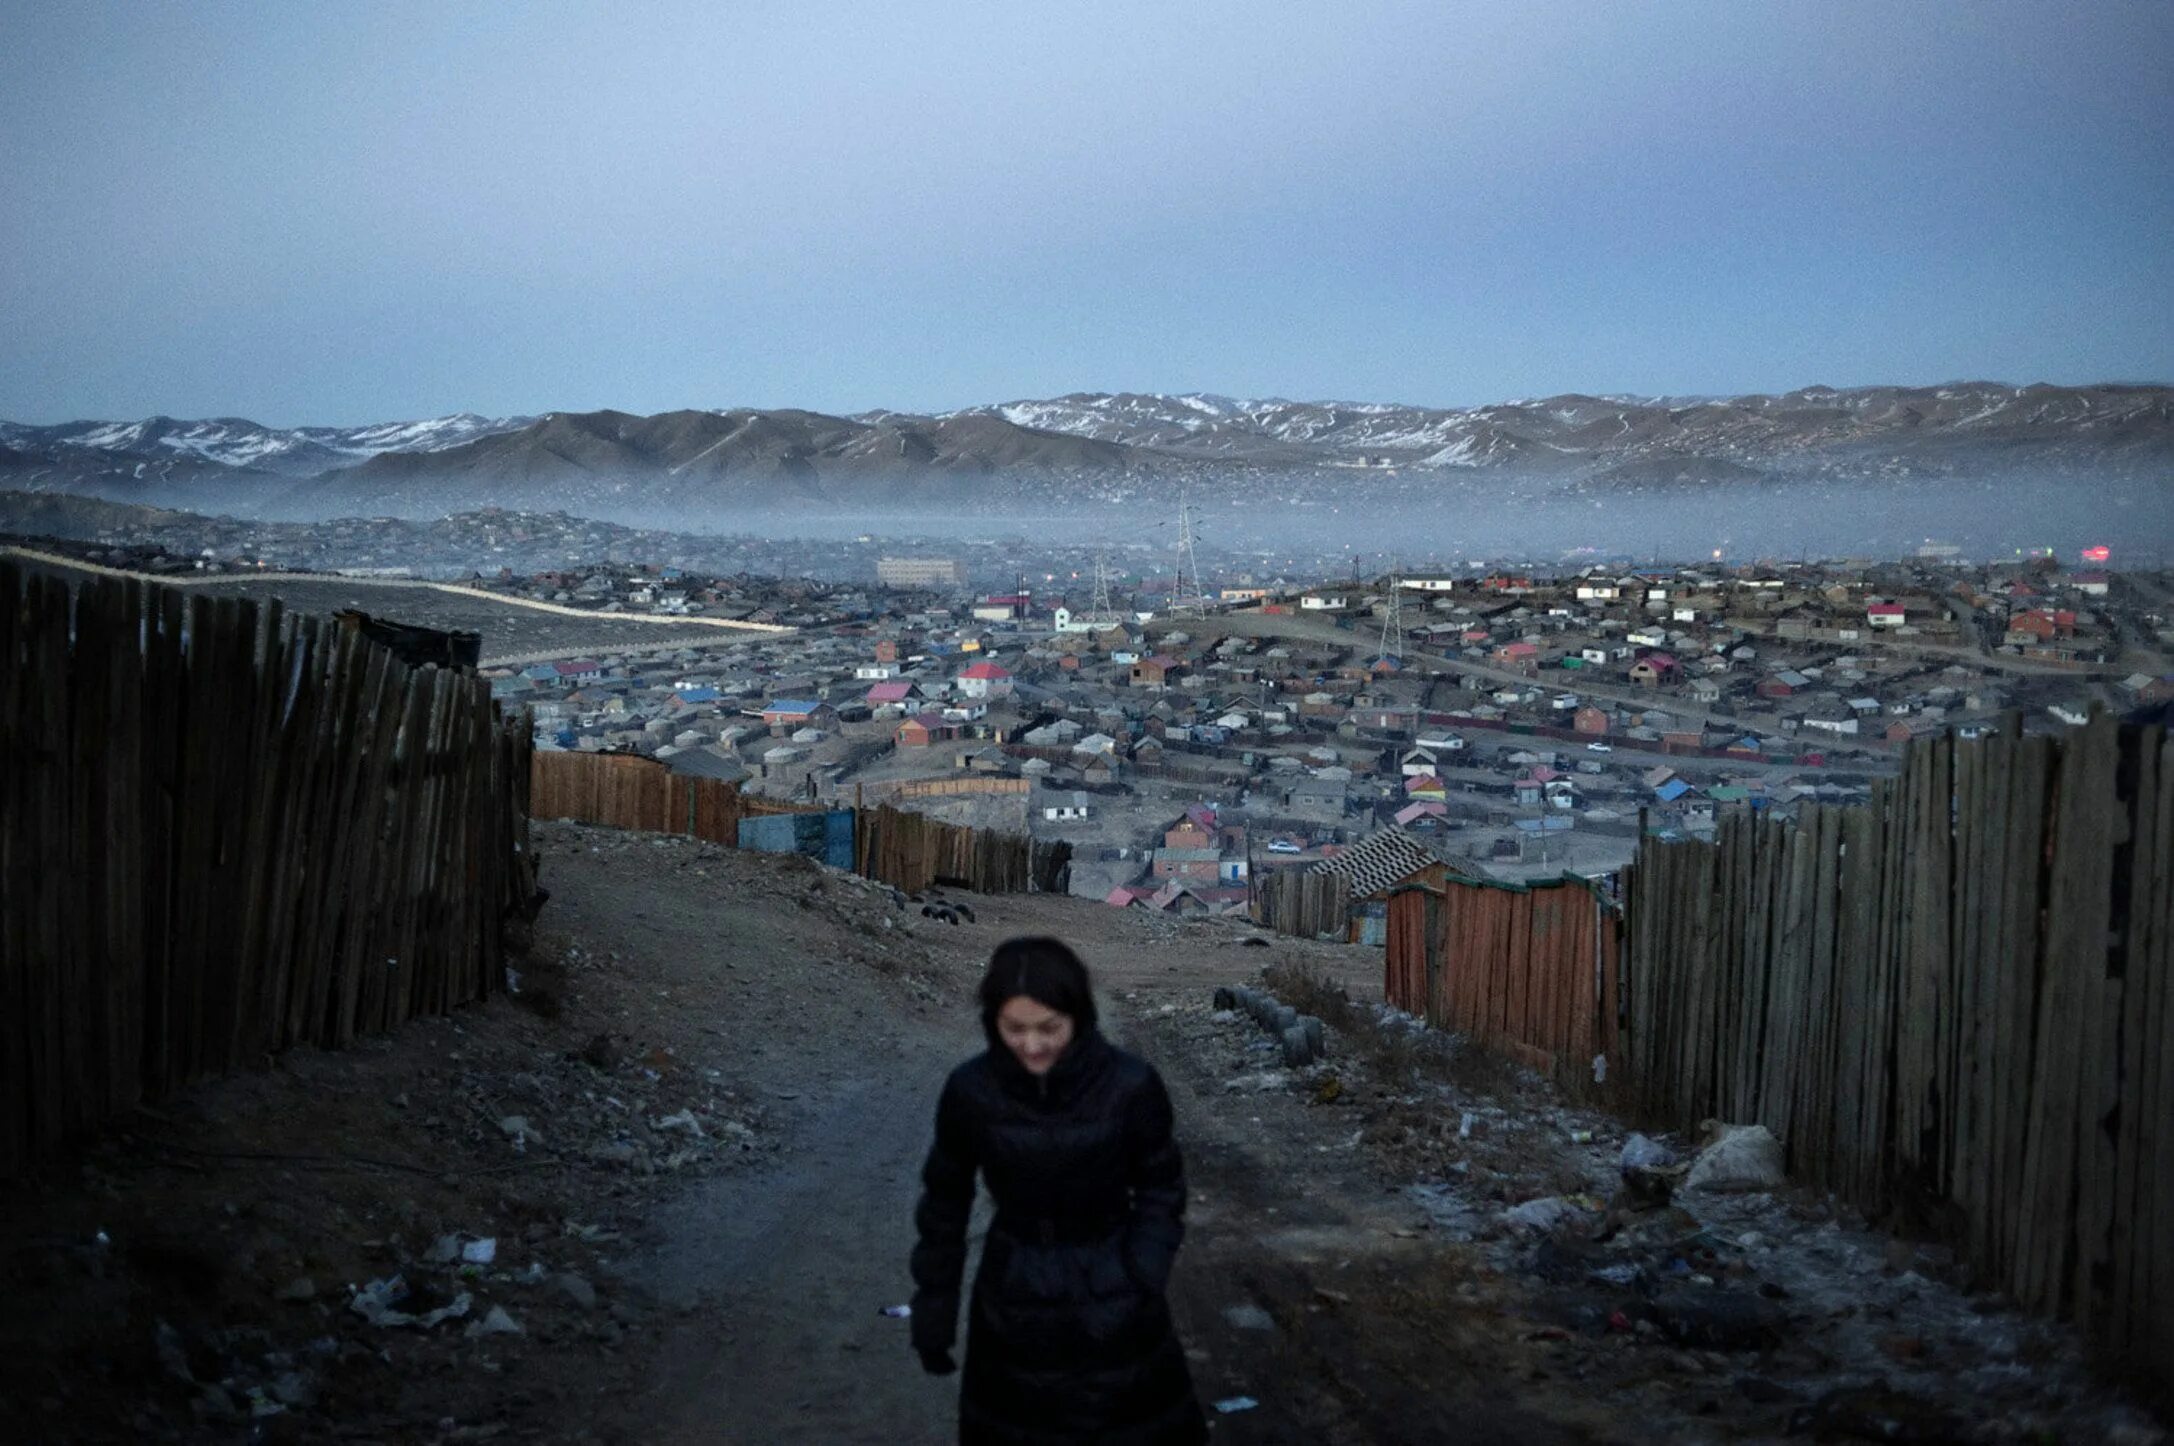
x,y
1097,447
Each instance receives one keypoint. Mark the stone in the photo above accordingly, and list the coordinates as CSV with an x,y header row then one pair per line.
x,y
577,1290
1742,1157
517,1129
1722,1320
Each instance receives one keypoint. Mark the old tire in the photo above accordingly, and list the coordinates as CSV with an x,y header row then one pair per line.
x,y
1317,1035
1297,1048
1224,999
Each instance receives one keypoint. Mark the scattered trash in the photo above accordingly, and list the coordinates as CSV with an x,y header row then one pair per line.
x,y
1739,1157
1546,1214
1231,1405
684,1120
496,1322
378,1304
1643,1153
896,1312
1464,1126
1581,1137
480,1252
1600,1069
578,1290
1621,1274
1249,1317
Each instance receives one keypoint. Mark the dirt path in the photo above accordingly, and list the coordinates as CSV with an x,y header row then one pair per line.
x,y
693,1137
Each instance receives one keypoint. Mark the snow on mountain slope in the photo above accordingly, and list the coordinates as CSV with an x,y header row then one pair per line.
x,y
240,443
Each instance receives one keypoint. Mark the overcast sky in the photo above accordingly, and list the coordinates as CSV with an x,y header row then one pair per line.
x,y
339,213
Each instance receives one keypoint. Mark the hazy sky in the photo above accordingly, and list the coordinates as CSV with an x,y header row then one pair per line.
x,y
348,212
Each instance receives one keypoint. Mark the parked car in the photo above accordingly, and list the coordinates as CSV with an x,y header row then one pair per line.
x,y
1600,748
1283,846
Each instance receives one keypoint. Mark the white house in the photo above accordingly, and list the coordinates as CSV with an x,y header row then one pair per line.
x,y
876,672
985,680
1068,621
1323,601
1064,807
1430,582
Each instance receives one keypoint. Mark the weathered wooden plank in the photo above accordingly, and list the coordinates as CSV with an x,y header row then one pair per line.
x,y
17,879
2153,1292
45,806
2112,752
1967,973
2074,954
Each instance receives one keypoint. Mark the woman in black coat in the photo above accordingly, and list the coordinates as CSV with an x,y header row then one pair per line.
x,y
1068,1336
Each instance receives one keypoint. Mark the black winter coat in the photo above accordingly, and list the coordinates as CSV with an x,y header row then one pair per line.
x,y
1068,1335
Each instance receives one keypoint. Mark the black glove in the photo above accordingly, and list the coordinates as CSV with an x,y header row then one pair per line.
x,y
938,1362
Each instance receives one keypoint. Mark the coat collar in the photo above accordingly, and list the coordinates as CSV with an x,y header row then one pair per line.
x,y
1081,1064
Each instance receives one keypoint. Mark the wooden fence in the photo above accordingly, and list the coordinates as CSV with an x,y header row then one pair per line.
x,y
1302,903
909,850
913,851
225,831
1531,972
945,787
626,790
1955,1005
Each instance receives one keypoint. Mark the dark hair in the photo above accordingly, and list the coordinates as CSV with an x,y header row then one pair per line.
x,y
1044,970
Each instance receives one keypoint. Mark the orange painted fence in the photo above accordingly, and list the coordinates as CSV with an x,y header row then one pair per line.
x,y
1531,972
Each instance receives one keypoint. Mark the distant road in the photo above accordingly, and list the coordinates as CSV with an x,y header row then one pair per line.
x,y
55,559
685,628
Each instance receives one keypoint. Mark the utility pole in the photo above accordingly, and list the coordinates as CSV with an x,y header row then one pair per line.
x,y
1189,598
1392,620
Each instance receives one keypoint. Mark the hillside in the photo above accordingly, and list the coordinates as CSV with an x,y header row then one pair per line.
x,y
1103,448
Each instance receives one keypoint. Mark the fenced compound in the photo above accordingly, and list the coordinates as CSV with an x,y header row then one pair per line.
x,y
1955,1005
909,850
1529,971
225,831
1303,903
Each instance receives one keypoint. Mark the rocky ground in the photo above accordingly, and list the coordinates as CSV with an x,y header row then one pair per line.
x,y
663,1192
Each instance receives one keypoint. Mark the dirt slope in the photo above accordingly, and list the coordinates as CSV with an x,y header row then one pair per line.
x,y
692,1140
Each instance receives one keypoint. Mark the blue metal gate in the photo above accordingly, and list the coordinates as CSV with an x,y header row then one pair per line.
x,y
825,836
